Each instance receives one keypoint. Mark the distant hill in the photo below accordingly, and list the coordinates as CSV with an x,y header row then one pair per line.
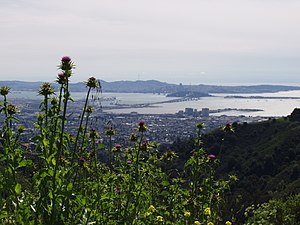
x,y
21,85
153,86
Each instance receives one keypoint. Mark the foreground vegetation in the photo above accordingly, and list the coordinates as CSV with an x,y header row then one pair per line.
x,y
73,178
265,158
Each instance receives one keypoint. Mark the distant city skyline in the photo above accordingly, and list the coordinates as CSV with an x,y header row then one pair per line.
x,y
174,41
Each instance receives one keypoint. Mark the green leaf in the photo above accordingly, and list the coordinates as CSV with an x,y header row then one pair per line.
x,y
165,183
69,187
50,194
53,161
18,188
101,146
24,163
45,142
3,215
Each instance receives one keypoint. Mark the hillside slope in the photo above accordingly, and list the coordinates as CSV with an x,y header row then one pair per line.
x,y
265,156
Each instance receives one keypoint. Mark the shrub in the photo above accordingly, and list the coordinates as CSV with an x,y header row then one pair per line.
x,y
275,212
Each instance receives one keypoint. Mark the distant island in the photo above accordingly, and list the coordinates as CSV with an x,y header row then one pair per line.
x,y
188,94
261,97
154,86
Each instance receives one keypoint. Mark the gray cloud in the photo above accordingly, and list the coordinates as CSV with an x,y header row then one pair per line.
x,y
170,40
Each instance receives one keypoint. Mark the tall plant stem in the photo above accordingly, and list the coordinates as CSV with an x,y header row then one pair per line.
x,y
56,120
80,124
138,158
84,132
46,110
6,112
58,155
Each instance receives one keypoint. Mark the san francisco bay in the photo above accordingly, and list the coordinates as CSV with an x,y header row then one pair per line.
x,y
262,104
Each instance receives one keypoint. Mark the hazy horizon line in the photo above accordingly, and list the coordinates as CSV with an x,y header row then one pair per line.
x,y
190,83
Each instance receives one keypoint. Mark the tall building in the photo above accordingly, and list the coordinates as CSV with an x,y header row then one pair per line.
x,y
189,111
205,112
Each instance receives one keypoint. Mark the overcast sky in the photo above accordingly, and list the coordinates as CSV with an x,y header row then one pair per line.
x,y
187,41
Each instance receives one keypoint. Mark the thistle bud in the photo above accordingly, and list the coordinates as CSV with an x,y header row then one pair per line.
x,y
92,82
11,109
4,91
46,89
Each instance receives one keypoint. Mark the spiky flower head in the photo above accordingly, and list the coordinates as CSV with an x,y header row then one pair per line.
x,y
94,134
200,125
169,155
142,127
11,109
92,82
46,89
61,78
133,137
117,148
4,90
66,65
145,146
21,129
66,59
110,132
89,109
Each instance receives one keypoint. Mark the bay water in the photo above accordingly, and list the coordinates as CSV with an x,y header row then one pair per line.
x,y
269,107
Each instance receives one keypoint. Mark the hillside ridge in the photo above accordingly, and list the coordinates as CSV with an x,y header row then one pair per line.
x,y
154,86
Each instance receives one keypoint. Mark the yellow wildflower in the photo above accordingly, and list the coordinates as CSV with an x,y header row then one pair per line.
x,y
187,214
197,222
147,214
228,223
159,219
207,211
210,223
151,208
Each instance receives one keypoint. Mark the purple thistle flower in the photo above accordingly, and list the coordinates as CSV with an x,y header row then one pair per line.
x,y
142,126
129,162
81,161
211,156
61,78
66,59
117,148
118,190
